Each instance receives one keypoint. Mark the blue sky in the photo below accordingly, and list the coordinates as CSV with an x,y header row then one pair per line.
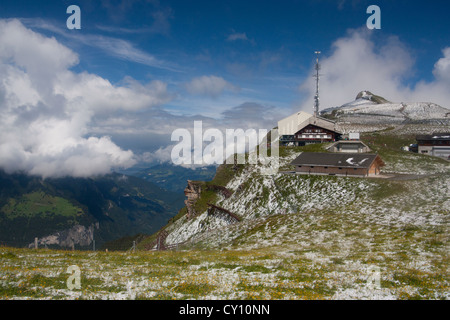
x,y
229,63
274,40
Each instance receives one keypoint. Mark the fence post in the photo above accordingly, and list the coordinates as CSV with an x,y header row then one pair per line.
x,y
35,242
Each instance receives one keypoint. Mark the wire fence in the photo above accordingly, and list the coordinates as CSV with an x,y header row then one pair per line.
x,y
128,246
93,246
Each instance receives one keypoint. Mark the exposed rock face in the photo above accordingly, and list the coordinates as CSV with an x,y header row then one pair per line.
x,y
192,192
367,95
77,235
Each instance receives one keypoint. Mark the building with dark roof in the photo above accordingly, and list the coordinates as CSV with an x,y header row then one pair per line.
x,y
343,164
303,128
437,144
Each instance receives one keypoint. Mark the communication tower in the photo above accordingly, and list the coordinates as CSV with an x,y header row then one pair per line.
x,y
317,76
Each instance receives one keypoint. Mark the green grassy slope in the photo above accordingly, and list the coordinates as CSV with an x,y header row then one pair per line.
x,y
348,238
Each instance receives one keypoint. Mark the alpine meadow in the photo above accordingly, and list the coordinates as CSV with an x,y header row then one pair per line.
x,y
224,158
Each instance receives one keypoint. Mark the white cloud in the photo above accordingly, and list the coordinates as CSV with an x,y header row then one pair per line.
x,y
442,67
211,86
237,36
240,36
357,63
100,96
163,154
47,109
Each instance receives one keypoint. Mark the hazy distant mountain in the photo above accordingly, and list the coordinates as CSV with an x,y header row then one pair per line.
x,y
66,211
172,177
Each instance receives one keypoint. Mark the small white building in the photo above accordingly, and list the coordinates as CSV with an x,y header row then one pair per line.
x,y
353,136
349,146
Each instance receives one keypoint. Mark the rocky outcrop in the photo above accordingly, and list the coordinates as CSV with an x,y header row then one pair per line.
x,y
192,192
78,235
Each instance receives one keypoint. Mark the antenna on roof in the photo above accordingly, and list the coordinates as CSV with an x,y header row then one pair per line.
x,y
316,97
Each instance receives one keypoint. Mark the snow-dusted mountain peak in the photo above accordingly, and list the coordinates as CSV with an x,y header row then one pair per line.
x,y
373,108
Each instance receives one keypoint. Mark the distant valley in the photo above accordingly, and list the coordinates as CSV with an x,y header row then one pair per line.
x,y
73,212
172,177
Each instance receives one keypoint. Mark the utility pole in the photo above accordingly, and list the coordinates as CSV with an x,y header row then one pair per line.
x,y
316,97
93,238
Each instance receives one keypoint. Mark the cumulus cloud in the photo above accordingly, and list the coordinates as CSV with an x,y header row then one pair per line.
x,y
438,90
47,109
442,67
161,155
358,63
211,86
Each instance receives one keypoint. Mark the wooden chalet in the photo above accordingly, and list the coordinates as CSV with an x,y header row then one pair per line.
x,y
303,128
342,164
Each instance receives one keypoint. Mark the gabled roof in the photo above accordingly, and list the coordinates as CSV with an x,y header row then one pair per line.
x,y
319,122
296,122
290,125
342,160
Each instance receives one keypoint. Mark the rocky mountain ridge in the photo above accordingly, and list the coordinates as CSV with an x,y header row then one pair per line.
x,y
368,108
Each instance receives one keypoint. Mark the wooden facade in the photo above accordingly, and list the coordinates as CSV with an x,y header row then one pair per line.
x,y
357,164
303,128
314,134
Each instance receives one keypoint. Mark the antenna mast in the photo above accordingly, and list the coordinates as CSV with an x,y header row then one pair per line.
x,y
316,97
